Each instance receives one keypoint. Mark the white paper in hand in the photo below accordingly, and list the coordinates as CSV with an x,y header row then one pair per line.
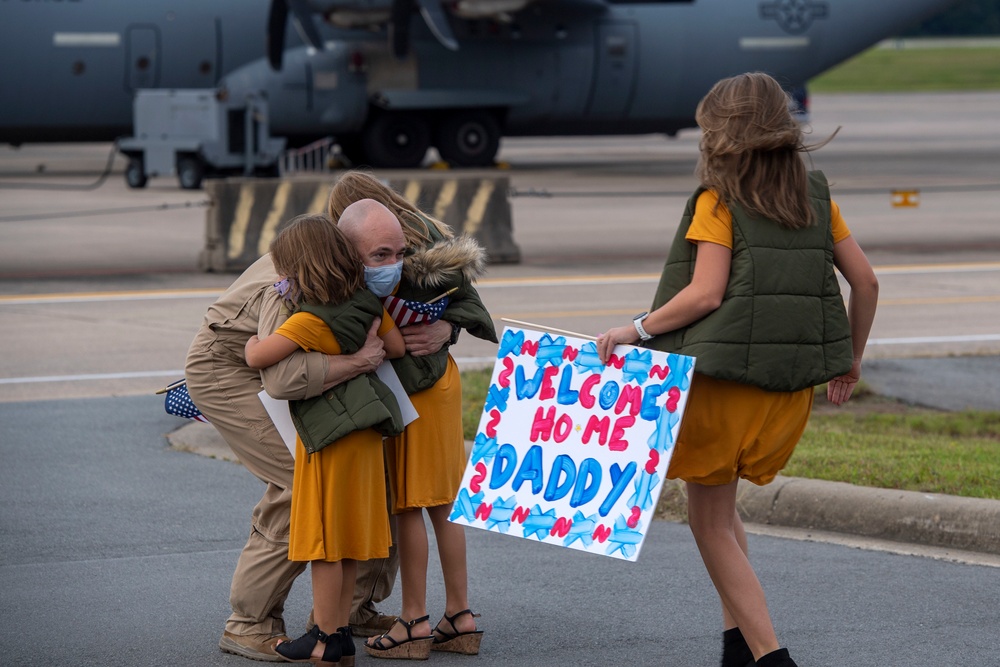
x,y
282,418
387,374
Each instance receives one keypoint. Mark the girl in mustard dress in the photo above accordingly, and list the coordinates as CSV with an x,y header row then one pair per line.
x,y
749,290
338,492
426,462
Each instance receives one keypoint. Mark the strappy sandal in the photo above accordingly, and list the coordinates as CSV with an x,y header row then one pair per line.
x,y
411,648
455,641
300,650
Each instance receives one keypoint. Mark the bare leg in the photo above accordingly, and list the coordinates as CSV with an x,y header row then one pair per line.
x,y
451,549
712,516
329,592
741,538
413,572
349,569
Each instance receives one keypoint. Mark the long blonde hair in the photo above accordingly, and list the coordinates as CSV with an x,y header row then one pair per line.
x,y
357,185
322,264
750,149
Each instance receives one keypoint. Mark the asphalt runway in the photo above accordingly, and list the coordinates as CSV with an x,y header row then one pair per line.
x,y
117,550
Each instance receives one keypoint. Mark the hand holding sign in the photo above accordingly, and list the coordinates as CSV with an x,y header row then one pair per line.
x,y
612,338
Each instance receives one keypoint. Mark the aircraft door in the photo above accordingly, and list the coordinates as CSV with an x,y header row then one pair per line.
x,y
142,57
614,70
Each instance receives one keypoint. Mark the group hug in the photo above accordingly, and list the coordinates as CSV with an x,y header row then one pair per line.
x,y
749,289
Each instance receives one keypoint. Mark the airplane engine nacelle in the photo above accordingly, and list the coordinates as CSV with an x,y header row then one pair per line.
x,y
315,94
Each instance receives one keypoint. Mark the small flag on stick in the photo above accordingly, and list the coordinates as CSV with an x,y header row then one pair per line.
x,y
179,402
405,312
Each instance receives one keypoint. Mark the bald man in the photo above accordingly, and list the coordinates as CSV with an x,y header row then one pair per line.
x,y
225,390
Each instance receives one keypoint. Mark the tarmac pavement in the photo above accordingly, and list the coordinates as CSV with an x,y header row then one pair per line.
x,y
116,549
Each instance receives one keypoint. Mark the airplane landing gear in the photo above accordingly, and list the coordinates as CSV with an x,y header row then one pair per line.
x,y
469,139
190,171
135,173
396,140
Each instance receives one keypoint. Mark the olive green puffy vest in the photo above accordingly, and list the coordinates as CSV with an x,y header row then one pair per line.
x,y
782,325
359,403
465,309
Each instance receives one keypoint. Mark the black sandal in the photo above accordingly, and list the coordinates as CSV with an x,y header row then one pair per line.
x,y
411,648
300,650
455,641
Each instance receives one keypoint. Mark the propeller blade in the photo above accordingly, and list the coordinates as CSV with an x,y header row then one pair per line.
x,y
276,19
436,20
399,27
303,16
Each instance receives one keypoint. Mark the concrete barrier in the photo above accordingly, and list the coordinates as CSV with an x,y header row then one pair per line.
x,y
245,214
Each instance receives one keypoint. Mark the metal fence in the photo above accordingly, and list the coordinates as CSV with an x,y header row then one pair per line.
x,y
316,157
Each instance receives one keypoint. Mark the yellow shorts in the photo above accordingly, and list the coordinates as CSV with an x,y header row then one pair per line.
x,y
732,430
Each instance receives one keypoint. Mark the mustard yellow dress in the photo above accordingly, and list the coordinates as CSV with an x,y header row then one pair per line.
x,y
732,430
426,462
338,493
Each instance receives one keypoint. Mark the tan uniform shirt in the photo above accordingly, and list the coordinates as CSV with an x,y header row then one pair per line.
x,y
251,306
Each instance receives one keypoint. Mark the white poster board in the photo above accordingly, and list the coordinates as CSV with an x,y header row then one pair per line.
x,y
571,452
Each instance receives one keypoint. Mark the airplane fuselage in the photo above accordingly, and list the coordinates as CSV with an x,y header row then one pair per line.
x,y
71,67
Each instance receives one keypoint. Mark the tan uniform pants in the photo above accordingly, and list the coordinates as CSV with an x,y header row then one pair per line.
x,y
225,389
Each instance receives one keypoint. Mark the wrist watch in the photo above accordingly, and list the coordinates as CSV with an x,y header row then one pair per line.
x,y
637,322
455,330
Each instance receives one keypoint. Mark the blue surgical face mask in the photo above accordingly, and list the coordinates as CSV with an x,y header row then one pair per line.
x,y
382,279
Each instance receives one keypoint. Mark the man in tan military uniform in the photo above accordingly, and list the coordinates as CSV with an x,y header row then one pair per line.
x,y
225,389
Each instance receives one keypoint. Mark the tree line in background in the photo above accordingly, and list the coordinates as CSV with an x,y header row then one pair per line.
x,y
967,18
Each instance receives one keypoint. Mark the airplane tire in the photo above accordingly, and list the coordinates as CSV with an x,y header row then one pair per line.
x,y
396,140
190,172
469,139
135,173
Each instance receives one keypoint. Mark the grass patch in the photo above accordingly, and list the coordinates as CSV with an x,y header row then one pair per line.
x,y
475,383
913,70
870,441
882,443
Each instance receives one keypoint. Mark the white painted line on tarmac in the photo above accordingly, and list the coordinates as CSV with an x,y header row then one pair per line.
x,y
499,283
37,299
461,361
92,376
979,338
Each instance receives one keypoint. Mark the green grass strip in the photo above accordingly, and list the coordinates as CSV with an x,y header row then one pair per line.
x,y
879,70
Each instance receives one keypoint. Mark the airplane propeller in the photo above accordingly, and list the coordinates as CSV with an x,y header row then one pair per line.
x,y
401,14
276,22
399,27
432,13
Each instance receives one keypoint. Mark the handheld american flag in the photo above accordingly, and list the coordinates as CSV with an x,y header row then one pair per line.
x,y
405,313
179,402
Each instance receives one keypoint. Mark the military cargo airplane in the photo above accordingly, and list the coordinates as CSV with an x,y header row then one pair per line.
x,y
391,78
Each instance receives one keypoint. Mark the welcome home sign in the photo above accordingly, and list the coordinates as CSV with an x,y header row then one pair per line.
x,y
569,451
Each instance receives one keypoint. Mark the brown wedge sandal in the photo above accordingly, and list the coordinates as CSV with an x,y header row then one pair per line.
x,y
455,641
411,648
